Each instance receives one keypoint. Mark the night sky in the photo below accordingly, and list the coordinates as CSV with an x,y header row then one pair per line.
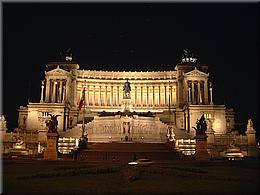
x,y
133,37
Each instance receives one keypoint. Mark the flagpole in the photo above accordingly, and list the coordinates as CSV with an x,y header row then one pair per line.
x,y
84,109
83,123
170,114
84,137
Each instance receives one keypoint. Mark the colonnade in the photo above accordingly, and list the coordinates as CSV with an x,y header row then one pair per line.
x,y
198,92
55,91
142,95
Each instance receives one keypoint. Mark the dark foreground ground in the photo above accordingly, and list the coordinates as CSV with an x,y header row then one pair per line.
x,y
171,177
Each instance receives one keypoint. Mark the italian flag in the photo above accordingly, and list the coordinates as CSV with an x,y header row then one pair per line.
x,y
82,100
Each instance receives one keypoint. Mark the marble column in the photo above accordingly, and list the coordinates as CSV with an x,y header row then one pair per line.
x,y
189,95
42,88
147,96
60,91
199,93
174,95
135,96
206,101
74,90
67,91
159,96
141,96
105,95
211,95
51,90
165,95
94,95
192,93
111,97
117,96
99,97
186,121
153,97
54,91
63,94
170,91
47,91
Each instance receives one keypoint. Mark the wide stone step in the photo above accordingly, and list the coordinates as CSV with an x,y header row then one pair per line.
x,y
124,156
124,152
131,147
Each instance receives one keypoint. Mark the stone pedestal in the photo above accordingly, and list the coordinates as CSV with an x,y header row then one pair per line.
x,y
201,147
251,139
210,137
127,105
250,132
51,152
210,132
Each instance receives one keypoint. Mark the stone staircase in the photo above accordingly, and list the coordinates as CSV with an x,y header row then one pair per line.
x,y
124,152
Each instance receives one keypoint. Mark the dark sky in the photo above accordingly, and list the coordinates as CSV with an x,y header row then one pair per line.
x,y
133,37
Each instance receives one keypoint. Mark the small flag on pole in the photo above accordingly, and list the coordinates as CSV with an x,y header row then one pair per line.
x,y
82,100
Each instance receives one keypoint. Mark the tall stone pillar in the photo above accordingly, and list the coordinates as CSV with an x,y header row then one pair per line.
x,y
165,95
141,96
54,91
192,93
94,95
63,94
170,95
74,91
147,96
67,98
111,98
42,88
153,98
105,95
199,93
159,96
117,96
189,95
173,96
47,91
206,95
135,96
186,121
99,97
211,95
60,91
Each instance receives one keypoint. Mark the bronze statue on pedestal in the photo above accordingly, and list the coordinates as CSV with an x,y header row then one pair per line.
x,y
201,125
53,123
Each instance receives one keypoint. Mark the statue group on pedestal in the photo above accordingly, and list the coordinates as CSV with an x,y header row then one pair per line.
x,y
53,123
201,125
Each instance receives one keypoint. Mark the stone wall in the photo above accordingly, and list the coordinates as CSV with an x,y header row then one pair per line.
x,y
124,128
